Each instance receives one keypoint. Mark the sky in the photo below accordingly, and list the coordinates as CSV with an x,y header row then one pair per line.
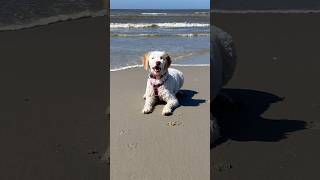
x,y
160,4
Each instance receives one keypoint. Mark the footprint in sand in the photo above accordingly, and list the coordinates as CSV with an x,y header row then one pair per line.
x,y
131,150
132,146
174,123
223,167
124,132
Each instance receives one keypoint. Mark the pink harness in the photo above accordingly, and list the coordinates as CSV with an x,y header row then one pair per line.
x,y
156,86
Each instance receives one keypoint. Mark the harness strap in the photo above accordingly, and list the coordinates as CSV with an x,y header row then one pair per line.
x,y
156,86
155,89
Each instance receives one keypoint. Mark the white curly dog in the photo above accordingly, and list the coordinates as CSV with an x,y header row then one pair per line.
x,y
163,82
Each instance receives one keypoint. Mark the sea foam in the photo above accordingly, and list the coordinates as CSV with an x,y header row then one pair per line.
x,y
157,25
154,14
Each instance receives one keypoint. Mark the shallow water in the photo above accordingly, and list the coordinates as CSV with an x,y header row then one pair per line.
x,y
184,34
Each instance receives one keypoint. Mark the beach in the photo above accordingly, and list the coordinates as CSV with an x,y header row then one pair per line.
x,y
54,86
153,146
274,131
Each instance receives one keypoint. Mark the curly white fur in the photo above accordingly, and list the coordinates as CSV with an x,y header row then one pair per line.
x,y
167,81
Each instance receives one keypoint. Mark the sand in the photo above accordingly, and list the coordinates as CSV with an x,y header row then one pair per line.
x,y
274,133
157,147
53,101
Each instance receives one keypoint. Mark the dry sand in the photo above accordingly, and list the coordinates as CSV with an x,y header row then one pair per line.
x,y
53,101
276,130
156,147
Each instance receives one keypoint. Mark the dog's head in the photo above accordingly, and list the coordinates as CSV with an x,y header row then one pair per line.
x,y
157,61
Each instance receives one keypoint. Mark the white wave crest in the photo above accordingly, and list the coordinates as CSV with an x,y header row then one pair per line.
x,y
194,34
161,35
153,14
157,25
204,13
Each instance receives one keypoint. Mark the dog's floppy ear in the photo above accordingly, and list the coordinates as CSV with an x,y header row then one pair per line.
x,y
168,61
145,61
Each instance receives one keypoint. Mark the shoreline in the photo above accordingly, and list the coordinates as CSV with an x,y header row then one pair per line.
x,y
55,19
174,65
181,61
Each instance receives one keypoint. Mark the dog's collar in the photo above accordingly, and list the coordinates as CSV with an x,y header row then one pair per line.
x,y
158,82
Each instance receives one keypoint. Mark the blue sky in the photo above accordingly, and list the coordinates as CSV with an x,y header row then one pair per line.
x,y
160,4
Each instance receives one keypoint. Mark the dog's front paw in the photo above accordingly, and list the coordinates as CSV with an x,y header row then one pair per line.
x,y
166,111
147,110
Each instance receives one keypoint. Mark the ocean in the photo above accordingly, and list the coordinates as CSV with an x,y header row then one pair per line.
x,y
184,34
19,14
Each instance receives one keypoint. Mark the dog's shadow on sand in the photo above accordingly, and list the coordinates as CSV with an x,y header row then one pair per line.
x,y
186,98
243,121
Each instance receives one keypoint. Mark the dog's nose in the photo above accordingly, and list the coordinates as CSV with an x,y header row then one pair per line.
x,y
158,63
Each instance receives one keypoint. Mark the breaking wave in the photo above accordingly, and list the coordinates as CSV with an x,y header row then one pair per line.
x,y
157,25
161,35
154,14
